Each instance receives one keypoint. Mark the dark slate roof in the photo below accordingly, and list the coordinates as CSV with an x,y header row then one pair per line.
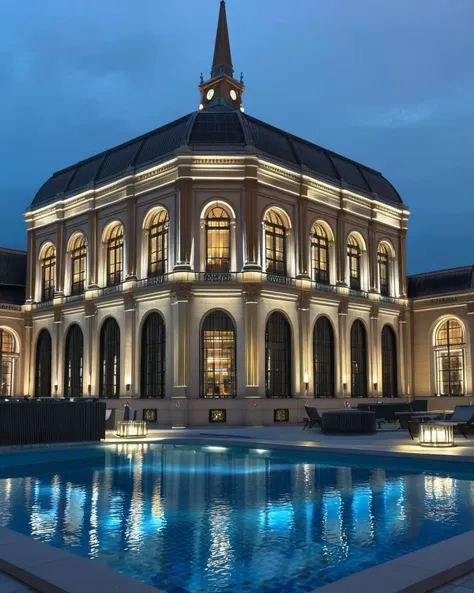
x,y
217,128
12,276
441,282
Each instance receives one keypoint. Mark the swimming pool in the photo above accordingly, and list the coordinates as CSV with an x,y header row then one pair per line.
x,y
194,519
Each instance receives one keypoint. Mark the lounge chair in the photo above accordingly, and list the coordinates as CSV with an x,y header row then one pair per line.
x,y
312,419
462,418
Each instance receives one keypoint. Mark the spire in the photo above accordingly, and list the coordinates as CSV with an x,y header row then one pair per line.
x,y
222,63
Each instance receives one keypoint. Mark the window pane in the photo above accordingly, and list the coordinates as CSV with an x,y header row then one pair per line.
x,y
218,356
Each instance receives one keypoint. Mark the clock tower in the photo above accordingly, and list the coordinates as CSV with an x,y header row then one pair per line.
x,y
222,88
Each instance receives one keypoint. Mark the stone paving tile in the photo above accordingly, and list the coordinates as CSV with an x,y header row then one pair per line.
x,y
10,585
460,585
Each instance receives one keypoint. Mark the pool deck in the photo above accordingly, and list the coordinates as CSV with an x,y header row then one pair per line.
x,y
386,442
447,567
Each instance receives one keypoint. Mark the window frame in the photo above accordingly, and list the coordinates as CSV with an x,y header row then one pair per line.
x,y
222,228
153,357
383,265
278,350
354,255
78,255
275,230
450,351
320,244
220,323
158,245
7,358
115,266
48,274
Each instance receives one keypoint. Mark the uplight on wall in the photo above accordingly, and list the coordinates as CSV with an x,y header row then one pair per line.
x,y
306,381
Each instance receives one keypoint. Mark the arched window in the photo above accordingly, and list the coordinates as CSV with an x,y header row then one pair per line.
x,y
389,363
158,244
354,257
323,358
7,366
48,273
449,350
218,364
43,365
74,362
275,244
320,254
109,359
218,241
277,356
384,272
358,360
114,246
153,357
78,265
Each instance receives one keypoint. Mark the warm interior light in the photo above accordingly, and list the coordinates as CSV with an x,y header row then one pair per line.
x,y
436,435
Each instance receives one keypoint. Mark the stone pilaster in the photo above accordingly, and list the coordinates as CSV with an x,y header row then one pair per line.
x,y
470,340
251,294
402,259
93,250
403,355
375,367
57,374
130,387
252,225
31,267
180,316
91,352
60,258
303,235
131,238
303,306
341,248
28,384
344,348
373,272
185,212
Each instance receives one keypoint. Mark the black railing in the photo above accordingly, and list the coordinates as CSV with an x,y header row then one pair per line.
x,y
44,304
71,298
358,293
218,276
324,287
152,281
388,299
107,290
277,279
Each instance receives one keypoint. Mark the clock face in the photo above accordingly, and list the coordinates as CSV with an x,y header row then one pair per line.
x,y
233,95
210,94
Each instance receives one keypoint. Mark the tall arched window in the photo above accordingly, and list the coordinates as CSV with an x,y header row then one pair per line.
x,y
354,257
43,365
153,357
218,241
114,246
78,265
320,254
275,244
323,358
277,356
109,359
389,363
48,273
358,360
218,364
158,244
384,271
7,366
74,362
449,350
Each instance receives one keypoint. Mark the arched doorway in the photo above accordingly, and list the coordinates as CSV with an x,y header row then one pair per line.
x,y
389,363
74,362
323,358
358,360
218,364
43,365
278,356
153,357
109,384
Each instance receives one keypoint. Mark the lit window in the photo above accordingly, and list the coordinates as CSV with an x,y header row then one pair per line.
x,y
7,365
449,351
383,261
158,244
320,254
115,256
275,244
109,370
218,241
218,356
78,265
74,362
48,266
354,256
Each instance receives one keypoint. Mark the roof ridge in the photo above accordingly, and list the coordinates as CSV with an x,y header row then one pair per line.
x,y
433,272
13,251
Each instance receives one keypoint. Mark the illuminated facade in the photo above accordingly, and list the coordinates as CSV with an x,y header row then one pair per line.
x,y
221,263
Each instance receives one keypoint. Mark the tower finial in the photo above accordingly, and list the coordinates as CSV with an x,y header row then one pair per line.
x,y
222,63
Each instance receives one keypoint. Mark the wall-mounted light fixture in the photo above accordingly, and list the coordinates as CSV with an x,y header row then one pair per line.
x,y
306,382
89,389
128,387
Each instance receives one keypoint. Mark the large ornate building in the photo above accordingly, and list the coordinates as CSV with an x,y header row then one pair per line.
x,y
219,268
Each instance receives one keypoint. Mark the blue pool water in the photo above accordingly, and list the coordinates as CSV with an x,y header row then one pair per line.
x,y
192,519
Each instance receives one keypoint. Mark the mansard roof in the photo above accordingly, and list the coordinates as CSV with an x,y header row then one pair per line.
x,y
441,282
223,130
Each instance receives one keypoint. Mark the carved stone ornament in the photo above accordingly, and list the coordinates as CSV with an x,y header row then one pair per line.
x,y
181,291
374,311
251,292
304,300
90,309
344,306
129,302
28,320
58,314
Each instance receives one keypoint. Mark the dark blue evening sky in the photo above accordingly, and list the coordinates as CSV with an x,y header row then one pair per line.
x,y
390,84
